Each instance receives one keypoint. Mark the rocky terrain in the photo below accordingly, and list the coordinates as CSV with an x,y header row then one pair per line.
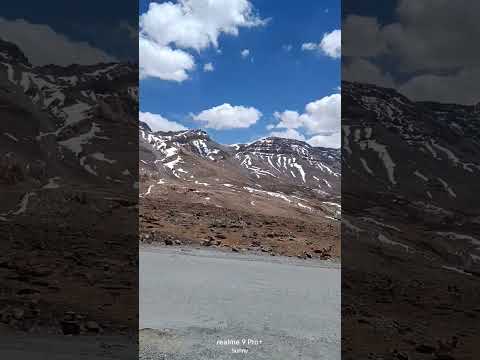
x,y
276,196
410,227
68,215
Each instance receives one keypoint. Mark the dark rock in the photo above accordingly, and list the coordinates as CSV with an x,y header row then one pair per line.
x,y
92,326
443,357
18,313
401,356
70,327
425,349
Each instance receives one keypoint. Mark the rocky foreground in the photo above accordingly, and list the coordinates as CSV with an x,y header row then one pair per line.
x,y
194,224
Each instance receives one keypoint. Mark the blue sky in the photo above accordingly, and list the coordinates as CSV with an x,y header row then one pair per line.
x,y
276,76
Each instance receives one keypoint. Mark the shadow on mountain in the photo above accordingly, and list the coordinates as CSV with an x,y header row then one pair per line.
x,y
410,150
68,215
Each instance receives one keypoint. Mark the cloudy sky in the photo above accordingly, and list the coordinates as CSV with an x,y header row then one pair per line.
x,y
242,69
421,48
50,35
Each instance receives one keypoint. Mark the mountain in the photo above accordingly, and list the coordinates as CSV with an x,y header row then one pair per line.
x,y
269,164
406,163
410,225
68,177
293,163
272,177
65,125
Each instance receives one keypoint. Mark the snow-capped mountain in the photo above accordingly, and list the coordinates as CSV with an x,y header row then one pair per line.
x,y
69,185
285,172
274,161
292,162
405,163
64,126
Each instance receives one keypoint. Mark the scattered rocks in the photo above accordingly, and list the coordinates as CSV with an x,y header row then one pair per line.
x,y
400,355
92,326
70,327
425,349
444,357
18,313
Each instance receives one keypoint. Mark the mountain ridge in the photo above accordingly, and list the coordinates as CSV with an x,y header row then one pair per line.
x,y
412,166
271,157
81,119
194,190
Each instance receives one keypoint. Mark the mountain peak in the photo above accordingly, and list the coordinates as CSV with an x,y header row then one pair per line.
x,y
278,144
144,126
196,132
276,139
12,53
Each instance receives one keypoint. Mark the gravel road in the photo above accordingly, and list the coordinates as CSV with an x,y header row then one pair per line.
x,y
200,304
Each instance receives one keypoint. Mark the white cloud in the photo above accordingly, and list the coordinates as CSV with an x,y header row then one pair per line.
x,y
208,67
330,45
427,42
460,88
159,123
362,70
288,119
43,46
365,38
227,116
321,121
323,115
288,134
245,53
163,62
287,47
309,46
320,116
329,141
197,24
432,34
190,24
